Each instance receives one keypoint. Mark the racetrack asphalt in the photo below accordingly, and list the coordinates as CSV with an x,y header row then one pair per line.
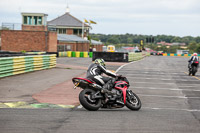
x,y
50,86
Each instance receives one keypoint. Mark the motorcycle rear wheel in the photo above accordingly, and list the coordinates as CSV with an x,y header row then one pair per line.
x,y
134,102
87,102
194,71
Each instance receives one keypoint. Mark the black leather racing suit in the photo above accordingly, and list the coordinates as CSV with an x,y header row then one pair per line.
x,y
191,60
95,71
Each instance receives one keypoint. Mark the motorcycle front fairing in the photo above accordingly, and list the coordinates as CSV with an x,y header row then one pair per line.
x,y
123,86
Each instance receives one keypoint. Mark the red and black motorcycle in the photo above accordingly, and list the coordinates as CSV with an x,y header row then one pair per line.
x,y
194,68
92,99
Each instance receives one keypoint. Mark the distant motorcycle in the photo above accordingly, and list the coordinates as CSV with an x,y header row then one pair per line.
x,y
92,99
194,68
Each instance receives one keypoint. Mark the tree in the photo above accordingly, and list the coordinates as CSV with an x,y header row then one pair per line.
x,y
198,48
113,40
193,47
197,39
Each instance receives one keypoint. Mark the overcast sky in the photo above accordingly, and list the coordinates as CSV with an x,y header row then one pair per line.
x,y
146,17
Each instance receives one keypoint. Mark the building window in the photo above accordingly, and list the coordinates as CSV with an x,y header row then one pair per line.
x,y
29,20
63,47
61,31
40,20
25,19
77,31
68,47
35,20
80,31
32,20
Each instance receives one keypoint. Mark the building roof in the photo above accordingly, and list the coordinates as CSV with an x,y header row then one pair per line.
x,y
66,20
74,38
71,38
96,42
33,14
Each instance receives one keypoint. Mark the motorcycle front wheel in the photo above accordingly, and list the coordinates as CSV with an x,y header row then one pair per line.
x,y
133,101
87,102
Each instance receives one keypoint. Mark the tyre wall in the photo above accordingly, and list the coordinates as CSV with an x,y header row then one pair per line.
x,y
16,65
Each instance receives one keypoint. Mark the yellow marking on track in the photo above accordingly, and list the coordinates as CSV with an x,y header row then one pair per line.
x,y
36,105
196,77
15,104
193,76
186,73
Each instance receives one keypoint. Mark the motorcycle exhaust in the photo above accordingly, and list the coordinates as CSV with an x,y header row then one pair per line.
x,y
96,87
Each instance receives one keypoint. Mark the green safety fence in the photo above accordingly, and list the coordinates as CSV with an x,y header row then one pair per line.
x,y
137,56
22,64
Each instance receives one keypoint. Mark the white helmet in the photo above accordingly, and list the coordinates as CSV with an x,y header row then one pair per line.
x,y
195,54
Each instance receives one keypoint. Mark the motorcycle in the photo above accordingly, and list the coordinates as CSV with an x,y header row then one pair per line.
x,y
91,97
194,67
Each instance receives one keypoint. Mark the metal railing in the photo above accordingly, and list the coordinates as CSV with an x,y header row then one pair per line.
x,y
10,26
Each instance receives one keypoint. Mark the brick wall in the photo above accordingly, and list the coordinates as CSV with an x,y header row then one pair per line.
x,y
52,41
28,41
69,31
34,28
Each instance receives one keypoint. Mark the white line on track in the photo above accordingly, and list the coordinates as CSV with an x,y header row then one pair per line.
x,y
183,97
172,89
183,90
126,64
151,83
152,75
173,109
187,86
159,83
162,79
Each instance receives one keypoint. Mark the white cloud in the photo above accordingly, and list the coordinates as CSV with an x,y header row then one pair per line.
x,y
115,16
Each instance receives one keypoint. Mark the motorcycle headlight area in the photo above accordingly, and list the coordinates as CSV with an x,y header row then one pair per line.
x,y
121,84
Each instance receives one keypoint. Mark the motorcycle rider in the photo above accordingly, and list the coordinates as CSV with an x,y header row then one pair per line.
x,y
192,59
95,71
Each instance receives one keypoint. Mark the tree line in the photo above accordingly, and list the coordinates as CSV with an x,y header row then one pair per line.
x,y
120,40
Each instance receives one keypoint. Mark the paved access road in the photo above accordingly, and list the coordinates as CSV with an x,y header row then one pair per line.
x,y
170,103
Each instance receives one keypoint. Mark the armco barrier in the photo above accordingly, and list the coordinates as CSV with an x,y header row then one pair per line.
x,y
119,56
22,64
111,56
